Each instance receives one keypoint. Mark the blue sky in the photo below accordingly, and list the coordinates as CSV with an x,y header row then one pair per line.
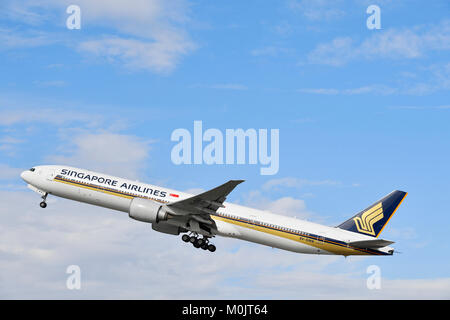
x,y
360,112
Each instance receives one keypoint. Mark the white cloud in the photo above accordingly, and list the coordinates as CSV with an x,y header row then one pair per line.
x,y
7,172
318,10
270,51
8,144
147,35
85,140
117,154
229,86
391,43
442,107
433,78
157,56
297,183
107,245
11,38
403,233
324,91
10,140
320,285
62,114
286,206
28,12
369,89
51,83
154,38
222,86
15,116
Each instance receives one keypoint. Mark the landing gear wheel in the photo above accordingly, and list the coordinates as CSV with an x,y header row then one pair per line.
x,y
212,248
201,242
185,238
196,244
192,239
43,204
204,246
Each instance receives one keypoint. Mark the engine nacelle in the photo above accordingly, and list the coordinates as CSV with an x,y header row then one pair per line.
x,y
147,211
164,227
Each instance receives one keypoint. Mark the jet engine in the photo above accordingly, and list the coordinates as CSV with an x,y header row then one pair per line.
x,y
147,211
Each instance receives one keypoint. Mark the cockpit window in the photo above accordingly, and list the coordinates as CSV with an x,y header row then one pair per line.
x,y
32,169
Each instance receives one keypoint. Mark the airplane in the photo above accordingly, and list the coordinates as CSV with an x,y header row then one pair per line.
x,y
206,215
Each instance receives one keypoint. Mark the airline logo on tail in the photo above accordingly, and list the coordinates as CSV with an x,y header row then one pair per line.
x,y
365,223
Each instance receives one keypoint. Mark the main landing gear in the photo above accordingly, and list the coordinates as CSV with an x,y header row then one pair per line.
x,y
43,204
199,242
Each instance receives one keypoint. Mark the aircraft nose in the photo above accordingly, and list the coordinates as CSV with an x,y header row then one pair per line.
x,y
25,175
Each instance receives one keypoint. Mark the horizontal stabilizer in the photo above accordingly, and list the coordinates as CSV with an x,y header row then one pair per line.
x,y
371,244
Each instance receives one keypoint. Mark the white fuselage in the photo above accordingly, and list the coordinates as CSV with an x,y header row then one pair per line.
x,y
232,220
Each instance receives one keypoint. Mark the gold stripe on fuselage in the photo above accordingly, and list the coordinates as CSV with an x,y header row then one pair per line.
x,y
327,245
105,190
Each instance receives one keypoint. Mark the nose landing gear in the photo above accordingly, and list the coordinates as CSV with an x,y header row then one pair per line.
x,y
199,242
43,204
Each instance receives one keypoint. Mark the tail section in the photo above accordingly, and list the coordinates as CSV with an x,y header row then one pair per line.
x,y
372,220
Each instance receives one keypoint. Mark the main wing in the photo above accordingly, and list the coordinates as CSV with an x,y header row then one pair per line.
x,y
201,206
